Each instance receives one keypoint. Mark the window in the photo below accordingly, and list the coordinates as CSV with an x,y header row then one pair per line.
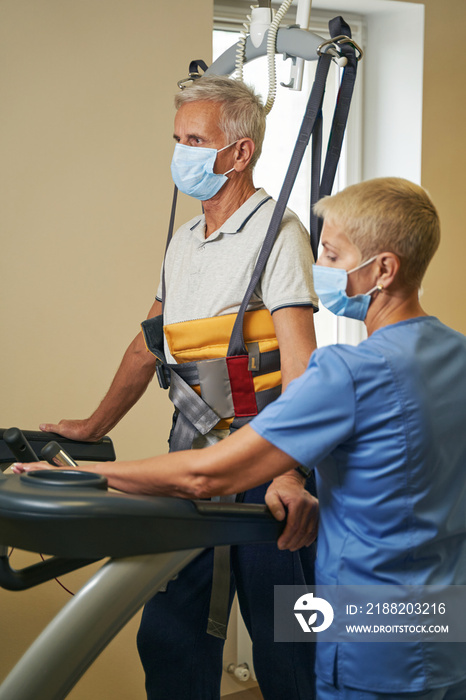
x,y
283,124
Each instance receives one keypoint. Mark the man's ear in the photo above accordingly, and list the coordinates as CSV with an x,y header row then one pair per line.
x,y
388,267
244,150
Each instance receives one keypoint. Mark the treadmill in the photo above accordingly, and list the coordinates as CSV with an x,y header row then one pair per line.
x,y
70,515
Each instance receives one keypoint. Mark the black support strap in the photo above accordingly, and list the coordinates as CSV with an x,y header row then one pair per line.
x,y
337,27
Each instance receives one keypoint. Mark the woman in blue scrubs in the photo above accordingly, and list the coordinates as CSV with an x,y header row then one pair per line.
x,y
382,424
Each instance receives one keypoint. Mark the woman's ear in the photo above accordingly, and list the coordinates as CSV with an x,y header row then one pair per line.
x,y
244,151
389,265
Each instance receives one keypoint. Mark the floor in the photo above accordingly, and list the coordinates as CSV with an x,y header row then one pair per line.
x,y
249,694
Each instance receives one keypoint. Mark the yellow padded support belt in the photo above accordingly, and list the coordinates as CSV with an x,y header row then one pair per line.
x,y
208,338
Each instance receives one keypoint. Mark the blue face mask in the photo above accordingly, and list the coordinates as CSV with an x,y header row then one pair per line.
x,y
193,171
330,285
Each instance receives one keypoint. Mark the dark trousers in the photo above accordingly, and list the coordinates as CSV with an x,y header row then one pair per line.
x,y
183,662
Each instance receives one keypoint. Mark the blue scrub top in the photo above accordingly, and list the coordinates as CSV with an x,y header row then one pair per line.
x,y
384,424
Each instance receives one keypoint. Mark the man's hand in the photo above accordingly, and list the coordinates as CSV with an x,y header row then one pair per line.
x,y
24,467
73,429
287,497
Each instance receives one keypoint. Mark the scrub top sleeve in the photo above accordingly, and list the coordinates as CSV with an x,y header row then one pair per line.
x,y
315,414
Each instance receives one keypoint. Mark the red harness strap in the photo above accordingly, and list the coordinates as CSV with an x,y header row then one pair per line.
x,y
242,385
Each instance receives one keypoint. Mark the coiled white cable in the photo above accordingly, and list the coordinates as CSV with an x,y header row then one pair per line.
x,y
241,47
271,40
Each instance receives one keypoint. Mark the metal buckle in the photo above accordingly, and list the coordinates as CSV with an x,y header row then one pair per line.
x,y
193,74
335,42
190,79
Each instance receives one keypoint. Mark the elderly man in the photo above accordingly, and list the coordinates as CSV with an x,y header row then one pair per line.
x,y
219,128
383,423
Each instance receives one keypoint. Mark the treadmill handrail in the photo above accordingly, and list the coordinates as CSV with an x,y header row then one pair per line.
x,y
82,523
99,451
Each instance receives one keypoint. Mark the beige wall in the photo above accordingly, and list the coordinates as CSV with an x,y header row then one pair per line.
x,y
85,148
444,154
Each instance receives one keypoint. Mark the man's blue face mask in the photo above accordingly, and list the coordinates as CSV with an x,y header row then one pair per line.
x,y
330,285
193,171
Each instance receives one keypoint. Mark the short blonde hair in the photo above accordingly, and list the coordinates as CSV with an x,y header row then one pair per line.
x,y
388,214
242,111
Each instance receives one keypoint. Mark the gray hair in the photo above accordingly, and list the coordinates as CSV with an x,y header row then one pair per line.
x,y
388,214
242,112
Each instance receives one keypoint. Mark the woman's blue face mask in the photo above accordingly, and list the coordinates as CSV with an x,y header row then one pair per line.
x,y
193,171
330,285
